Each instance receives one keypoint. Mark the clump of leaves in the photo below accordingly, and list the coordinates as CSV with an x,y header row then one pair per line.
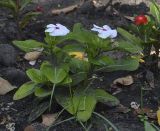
x,y
22,17
68,75
147,29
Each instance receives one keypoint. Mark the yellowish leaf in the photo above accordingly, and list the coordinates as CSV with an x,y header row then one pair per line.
x,y
158,116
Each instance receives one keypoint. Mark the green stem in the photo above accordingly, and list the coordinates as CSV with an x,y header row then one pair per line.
x,y
58,123
106,120
83,126
50,103
70,91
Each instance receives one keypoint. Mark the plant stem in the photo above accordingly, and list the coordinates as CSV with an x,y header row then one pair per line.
x,y
106,120
70,91
83,126
71,118
50,103
141,97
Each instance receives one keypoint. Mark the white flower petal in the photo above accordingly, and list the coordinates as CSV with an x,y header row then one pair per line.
x,y
113,33
96,29
50,29
50,26
106,27
32,62
58,33
104,35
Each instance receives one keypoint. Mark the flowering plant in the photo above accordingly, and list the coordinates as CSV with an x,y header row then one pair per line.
x,y
147,29
69,73
21,17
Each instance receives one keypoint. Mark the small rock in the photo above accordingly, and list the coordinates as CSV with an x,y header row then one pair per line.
x,y
7,55
15,76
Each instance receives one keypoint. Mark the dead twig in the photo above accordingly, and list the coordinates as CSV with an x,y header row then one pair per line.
x,y
67,9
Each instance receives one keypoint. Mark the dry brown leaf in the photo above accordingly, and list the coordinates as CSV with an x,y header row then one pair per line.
x,y
147,111
121,109
5,86
35,127
64,10
31,56
48,119
128,80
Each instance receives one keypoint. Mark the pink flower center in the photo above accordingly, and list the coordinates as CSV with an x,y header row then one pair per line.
x,y
57,28
104,29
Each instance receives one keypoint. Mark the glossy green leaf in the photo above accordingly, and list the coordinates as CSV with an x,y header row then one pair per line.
x,y
77,65
155,10
38,111
128,64
78,77
129,47
25,90
27,17
148,126
54,74
129,37
66,80
24,3
81,105
42,92
106,98
36,75
28,45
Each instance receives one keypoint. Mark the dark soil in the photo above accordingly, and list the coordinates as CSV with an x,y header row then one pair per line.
x,y
18,111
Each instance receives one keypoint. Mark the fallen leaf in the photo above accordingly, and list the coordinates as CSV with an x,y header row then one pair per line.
x,y
5,86
147,111
121,109
126,81
35,127
31,56
48,119
158,116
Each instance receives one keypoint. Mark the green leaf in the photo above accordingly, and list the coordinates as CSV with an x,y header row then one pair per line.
x,y
36,75
129,37
89,102
25,90
102,61
27,17
66,81
104,97
54,74
73,48
148,126
42,92
8,4
28,45
129,47
24,3
78,77
77,65
81,104
127,64
155,10
38,111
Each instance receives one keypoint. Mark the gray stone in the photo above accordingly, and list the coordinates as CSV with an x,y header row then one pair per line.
x,y
7,55
15,76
